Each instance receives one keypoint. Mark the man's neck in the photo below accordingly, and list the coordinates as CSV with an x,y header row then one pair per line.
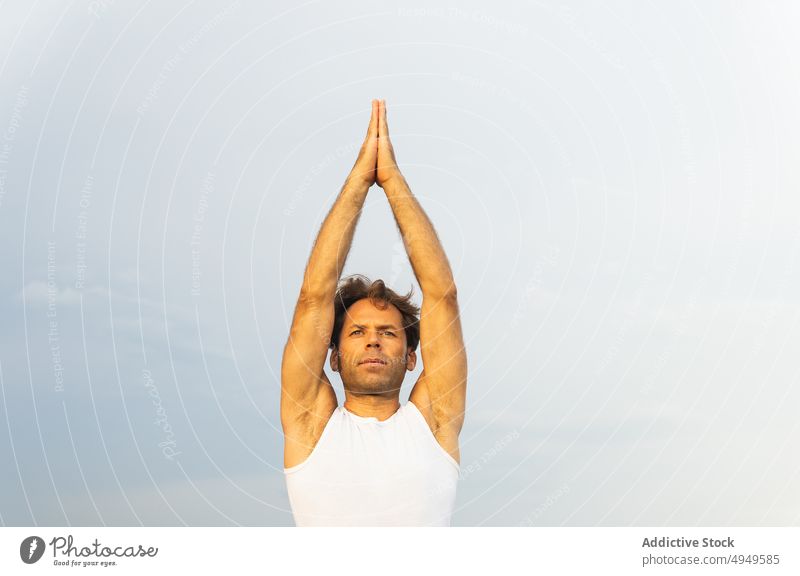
x,y
368,405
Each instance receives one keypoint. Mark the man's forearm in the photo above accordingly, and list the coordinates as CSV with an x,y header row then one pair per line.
x,y
332,245
424,249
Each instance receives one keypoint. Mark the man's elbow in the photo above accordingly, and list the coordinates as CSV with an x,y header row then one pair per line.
x,y
444,292
316,295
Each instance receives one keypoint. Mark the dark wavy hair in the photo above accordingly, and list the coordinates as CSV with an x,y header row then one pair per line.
x,y
357,287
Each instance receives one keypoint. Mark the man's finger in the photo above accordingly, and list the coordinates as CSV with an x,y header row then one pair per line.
x,y
373,120
383,126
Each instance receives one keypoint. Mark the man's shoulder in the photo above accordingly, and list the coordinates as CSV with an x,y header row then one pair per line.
x,y
446,436
301,434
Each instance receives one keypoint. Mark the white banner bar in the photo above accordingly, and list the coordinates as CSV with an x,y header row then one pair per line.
x,y
402,551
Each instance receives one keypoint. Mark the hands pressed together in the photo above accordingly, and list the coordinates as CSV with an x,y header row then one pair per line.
x,y
376,163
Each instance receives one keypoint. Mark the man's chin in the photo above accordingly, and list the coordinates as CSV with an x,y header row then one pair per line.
x,y
370,385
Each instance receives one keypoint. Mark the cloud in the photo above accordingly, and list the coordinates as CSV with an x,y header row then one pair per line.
x,y
41,293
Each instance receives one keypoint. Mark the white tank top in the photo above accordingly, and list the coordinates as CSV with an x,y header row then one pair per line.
x,y
367,472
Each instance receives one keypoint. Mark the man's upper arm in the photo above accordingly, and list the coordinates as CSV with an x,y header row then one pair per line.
x,y
303,376
444,377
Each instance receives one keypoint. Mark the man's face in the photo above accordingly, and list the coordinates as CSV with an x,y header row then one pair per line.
x,y
369,333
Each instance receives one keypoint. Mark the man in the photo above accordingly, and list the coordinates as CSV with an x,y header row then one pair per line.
x,y
373,461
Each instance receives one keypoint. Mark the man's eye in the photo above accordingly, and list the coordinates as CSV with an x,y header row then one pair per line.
x,y
390,333
354,331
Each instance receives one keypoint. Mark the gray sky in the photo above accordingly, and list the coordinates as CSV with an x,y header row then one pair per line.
x,y
615,186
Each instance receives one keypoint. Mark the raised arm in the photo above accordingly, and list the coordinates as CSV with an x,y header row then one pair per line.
x,y
330,250
304,385
422,244
442,386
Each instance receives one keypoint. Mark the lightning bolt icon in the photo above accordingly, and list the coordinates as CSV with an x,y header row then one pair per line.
x,y
34,546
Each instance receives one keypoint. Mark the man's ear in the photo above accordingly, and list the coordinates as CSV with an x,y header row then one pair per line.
x,y
411,360
335,359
